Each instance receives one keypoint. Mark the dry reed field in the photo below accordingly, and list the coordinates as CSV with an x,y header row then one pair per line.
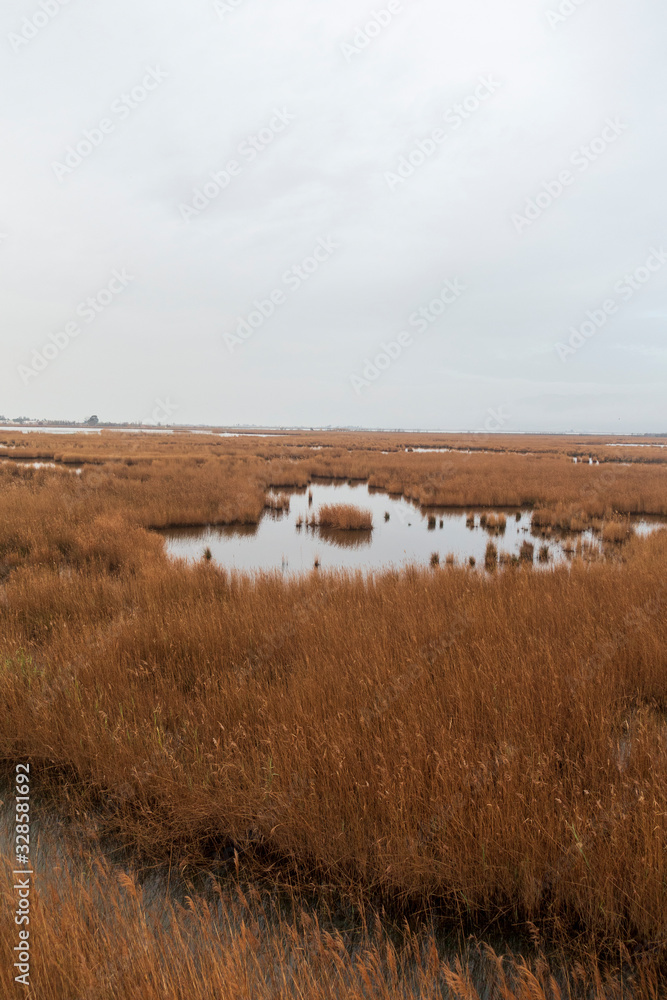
x,y
484,752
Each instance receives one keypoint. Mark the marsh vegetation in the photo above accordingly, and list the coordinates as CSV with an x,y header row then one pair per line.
x,y
481,752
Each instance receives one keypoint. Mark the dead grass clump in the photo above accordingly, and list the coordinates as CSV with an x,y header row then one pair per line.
x,y
491,556
343,517
616,532
278,502
588,551
495,524
562,518
527,552
508,560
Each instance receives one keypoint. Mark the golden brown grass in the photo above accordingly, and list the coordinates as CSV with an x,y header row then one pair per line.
x,y
381,736
494,749
573,519
489,470
616,532
527,552
343,517
495,524
277,501
564,517
100,932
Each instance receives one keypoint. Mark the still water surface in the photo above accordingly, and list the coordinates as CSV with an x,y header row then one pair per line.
x,y
410,535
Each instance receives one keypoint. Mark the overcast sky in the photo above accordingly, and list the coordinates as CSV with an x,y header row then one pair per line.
x,y
426,214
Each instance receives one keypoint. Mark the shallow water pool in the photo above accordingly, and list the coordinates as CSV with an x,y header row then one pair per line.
x,y
411,534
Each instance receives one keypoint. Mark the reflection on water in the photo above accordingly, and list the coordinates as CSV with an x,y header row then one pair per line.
x,y
226,531
343,539
402,533
28,465
39,465
50,430
84,430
